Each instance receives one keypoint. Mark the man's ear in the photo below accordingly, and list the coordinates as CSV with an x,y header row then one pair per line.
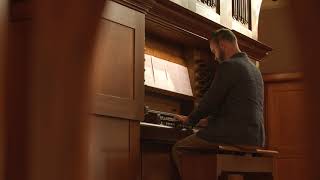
x,y
222,44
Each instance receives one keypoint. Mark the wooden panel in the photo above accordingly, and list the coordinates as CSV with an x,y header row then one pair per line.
x,y
157,163
48,87
162,103
195,170
286,124
20,10
110,147
16,79
291,169
114,149
57,145
267,78
170,51
157,142
308,47
3,56
115,64
135,152
119,62
285,118
157,166
119,88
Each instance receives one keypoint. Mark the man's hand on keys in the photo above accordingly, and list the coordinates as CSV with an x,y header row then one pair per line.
x,y
202,123
181,118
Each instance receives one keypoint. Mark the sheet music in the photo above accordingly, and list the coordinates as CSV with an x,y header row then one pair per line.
x,y
178,78
160,74
167,75
148,71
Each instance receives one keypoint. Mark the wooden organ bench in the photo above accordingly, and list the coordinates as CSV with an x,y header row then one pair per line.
x,y
225,162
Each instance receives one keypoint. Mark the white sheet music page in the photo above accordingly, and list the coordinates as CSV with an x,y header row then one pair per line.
x,y
160,75
148,71
178,78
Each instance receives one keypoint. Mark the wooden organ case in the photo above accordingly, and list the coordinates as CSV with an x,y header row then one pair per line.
x,y
178,35
122,147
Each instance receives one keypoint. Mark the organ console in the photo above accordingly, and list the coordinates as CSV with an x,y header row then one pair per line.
x,y
179,36
163,118
162,127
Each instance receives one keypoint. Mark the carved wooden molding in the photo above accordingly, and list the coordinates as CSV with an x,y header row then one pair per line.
x,y
169,18
281,77
22,9
179,20
139,5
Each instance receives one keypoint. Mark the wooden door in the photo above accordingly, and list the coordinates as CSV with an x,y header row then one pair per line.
x,y
119,60
119,92
285,127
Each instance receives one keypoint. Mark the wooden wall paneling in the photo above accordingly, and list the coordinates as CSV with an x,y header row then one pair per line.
x,y
291,168
110,65
157,163
285,117
16,81
162,103
119,63
58,91
20,10
168,101
283,77
3,56
165,49
115,151
285,129
119,94
135,150
195,169
285,123
307,48
110,147
274,78
46,88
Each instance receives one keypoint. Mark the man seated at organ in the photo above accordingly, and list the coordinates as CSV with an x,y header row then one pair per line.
x,y
233,105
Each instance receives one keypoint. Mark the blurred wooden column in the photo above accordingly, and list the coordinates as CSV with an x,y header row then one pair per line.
x,y
58,88
306,15
3,57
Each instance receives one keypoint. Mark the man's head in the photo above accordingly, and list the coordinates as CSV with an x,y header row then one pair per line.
x,y
223,44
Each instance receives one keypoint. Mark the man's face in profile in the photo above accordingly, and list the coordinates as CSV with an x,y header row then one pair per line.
x,y
217,50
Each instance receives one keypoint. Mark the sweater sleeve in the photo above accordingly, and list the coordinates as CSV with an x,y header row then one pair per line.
x,y
215,95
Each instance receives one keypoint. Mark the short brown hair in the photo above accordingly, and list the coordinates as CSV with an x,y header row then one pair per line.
x,y
223,34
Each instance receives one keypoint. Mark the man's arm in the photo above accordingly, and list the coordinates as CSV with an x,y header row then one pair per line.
x,y
215,95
